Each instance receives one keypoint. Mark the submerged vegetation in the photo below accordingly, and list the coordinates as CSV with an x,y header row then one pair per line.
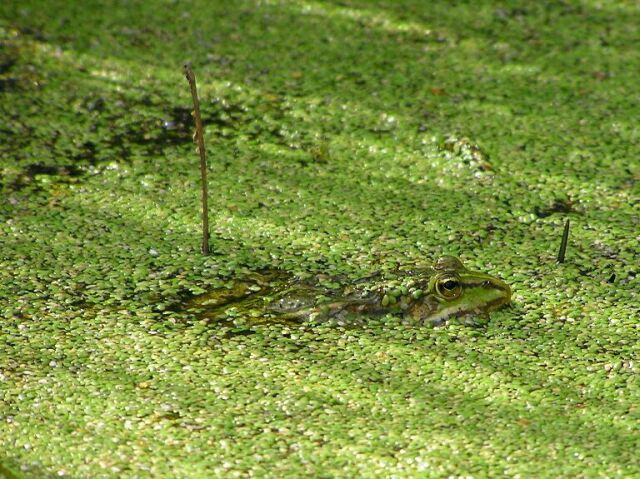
x,y
352,138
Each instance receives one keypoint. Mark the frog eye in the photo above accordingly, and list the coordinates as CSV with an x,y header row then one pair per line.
x,y
448,287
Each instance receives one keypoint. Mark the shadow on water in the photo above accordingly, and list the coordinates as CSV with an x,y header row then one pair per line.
x,y
170,126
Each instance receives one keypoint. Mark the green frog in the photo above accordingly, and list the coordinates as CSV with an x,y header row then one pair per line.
x,y
432,295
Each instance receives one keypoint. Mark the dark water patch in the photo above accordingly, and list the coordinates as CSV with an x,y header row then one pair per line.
x,y
147,134
557,206
164,127
88,154
59,170
177,125
94,103
17,72
28,175
9,56
8,84
6,62
33,32
225,113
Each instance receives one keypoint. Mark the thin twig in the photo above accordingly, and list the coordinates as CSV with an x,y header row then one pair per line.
x,y
563,243
198,138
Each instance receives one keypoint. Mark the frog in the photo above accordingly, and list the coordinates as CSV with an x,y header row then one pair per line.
x,y
437,294
432,294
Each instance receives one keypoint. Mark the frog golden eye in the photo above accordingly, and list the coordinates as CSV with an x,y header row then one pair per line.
x,y
449,288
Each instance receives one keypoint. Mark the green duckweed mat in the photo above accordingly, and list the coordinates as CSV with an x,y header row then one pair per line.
x,y
344,138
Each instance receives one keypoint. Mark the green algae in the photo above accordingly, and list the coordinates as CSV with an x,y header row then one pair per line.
x,y
345,138
6,473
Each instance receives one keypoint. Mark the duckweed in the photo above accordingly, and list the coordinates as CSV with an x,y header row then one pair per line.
x,y
346,138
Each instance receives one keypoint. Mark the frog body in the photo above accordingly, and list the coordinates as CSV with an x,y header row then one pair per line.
x,y
433,295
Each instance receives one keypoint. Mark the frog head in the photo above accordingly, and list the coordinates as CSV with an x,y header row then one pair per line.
x,y
454,291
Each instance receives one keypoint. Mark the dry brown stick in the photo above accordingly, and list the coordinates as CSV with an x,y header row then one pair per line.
x,y
198,138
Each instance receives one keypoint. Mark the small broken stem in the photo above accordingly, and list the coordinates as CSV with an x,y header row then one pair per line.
x,y
563,243
198,138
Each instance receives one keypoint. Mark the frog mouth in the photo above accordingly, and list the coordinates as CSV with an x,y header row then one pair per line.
x,y
490,284
498,284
